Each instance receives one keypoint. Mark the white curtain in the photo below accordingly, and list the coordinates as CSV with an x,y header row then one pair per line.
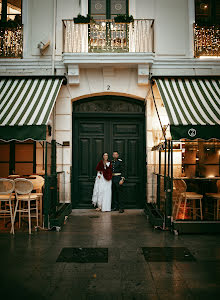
x,y
141,36
75,37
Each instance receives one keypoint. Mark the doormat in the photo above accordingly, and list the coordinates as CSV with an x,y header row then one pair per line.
x,y
83,255
167,254
94,217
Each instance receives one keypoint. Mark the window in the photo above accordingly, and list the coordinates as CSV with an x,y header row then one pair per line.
x,y
107,9
207,12
11,10
17,158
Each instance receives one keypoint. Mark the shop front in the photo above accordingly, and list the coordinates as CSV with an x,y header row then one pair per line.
x,y
186,178
27,145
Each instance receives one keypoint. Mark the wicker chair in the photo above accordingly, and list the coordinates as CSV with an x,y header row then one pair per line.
x,y
23,188
187,200
216,196
6,189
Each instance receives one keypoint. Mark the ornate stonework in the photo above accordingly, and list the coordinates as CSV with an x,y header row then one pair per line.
x,y
103,105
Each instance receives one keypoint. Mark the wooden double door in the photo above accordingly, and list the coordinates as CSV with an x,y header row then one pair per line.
x,y
97,132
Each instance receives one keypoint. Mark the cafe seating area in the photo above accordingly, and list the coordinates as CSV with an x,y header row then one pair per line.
x,y
186,186
21,200
187,201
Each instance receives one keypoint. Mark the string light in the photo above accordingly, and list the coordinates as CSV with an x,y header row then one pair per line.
x,y
11,41
108,36
207,41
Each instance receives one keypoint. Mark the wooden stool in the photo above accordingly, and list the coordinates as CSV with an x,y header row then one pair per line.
x,y
216,196
187,200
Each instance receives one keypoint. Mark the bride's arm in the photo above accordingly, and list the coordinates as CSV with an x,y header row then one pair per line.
x,y
99,173
99,169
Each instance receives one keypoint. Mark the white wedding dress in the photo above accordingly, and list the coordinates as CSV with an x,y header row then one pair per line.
x,y
102,193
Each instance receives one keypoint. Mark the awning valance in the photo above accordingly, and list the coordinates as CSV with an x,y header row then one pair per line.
x,y
192,105
25,107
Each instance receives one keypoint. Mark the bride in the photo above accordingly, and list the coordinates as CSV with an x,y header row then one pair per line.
x,y
102,192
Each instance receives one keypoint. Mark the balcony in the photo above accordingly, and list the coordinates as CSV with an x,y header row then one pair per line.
x,y
106,36
206,41
11,42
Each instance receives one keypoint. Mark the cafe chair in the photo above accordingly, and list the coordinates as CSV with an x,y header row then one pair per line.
x,y
6,196
216,196
24,201
38,183
187,201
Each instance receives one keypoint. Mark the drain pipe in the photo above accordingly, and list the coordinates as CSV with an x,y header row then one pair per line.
x,y
53,61
54,37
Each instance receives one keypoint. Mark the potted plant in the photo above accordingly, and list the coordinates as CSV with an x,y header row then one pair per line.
x,y
123,19
82,19
11,23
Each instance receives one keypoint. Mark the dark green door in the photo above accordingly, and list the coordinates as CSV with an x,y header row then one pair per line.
x,y
108,131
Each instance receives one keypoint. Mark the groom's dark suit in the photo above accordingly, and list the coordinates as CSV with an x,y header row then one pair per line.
x,y
117,189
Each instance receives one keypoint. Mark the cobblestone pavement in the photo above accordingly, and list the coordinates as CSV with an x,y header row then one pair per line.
x,y
30,270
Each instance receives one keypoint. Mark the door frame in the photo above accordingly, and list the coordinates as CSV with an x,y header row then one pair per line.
x,y
92,115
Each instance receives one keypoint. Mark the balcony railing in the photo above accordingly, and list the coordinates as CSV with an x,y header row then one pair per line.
x,y
206,41
11,42
108,36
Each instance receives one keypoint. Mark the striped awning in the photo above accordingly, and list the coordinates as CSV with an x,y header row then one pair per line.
x,y
25,107
192,105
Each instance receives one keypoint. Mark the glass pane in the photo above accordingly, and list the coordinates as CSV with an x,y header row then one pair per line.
x,y
4,169
24,168
4,152
23,152
14,6
118,7
98,7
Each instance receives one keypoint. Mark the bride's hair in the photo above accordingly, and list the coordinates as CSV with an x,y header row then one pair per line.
x,y
104,154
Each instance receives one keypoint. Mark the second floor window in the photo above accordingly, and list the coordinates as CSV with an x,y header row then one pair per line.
x,y
11,10
107,9
207,12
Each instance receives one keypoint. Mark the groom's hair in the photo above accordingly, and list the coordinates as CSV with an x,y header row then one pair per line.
x,y
115,152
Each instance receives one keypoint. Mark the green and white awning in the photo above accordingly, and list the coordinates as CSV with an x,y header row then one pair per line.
x,y
192,105
25,107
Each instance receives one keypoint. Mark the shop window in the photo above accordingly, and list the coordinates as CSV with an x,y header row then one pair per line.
x,y
17,158
201,159
4,159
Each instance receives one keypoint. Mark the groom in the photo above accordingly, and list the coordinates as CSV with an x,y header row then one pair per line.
x,y
117,182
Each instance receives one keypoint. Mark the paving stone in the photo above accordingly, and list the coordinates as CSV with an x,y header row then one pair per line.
x,y
29,264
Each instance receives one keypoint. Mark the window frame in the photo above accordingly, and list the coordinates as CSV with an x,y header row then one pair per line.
x,y
108,8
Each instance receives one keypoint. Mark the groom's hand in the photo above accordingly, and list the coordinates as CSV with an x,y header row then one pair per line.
x,y
121,181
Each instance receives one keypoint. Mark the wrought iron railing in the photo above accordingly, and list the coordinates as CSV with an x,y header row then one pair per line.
x,y
11,42
108,36
206,41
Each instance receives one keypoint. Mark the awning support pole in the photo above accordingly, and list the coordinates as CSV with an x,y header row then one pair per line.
x,y
168,200
158,181
47,186
151,86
